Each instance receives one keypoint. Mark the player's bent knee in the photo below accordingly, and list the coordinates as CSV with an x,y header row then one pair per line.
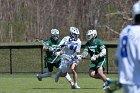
x,y
92,74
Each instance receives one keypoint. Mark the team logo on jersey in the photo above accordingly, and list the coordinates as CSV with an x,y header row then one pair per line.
x,y
91,47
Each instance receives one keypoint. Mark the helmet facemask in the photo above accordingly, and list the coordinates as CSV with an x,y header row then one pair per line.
x,y
74,36
54,34
74,33
91,34
89,37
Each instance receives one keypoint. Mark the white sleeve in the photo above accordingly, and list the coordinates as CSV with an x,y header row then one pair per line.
x,y
117,54
63,41
138,48
103,52
78,46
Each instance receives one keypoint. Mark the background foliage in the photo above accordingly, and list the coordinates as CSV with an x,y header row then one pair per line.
x,y
27,20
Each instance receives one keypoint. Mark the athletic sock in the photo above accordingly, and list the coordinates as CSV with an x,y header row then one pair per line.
x,y
68,77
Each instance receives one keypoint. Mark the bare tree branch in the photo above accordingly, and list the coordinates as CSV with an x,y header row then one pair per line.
x,y
110,29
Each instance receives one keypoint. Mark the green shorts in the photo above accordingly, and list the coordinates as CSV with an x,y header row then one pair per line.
x,y
95,66
50,66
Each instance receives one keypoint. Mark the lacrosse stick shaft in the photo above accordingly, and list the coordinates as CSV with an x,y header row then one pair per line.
x,y
57,56
55,59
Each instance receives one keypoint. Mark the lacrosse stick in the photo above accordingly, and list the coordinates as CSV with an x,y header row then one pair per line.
x,y
41,41
67,57
54,59
57,55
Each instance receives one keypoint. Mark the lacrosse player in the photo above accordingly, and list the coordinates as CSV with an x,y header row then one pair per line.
x,y
71,46
128,54
96,48
50,47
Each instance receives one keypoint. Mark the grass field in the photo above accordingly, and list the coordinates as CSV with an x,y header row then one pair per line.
x,y
28,83
25,60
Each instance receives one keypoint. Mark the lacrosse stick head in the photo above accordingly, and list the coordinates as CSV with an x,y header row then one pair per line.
x,y
55,34
91,34
74,33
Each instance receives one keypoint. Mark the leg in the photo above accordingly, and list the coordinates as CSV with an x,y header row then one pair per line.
x,y
106,80
75,75
69,80
91,73
100,69
101,73
62,70
74,72
47,74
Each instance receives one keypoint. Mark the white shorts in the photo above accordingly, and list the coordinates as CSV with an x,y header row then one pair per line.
x,y
65,64
131,88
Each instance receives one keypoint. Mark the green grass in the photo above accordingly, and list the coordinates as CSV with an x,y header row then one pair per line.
x,y
28,83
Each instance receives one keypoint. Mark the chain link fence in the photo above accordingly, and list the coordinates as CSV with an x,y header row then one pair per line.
x,y
29,59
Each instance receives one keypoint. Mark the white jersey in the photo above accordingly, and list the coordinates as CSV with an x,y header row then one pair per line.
x,y
128,55
72,47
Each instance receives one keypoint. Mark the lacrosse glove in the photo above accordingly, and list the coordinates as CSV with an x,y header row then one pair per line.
x,y
94,57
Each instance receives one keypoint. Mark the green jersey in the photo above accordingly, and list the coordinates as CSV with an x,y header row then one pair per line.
x,y
50,54
94,47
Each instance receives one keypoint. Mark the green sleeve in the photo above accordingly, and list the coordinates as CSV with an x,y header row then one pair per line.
x,y
46,42
101,44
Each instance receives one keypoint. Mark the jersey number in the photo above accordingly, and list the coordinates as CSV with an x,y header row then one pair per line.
x,y
124,45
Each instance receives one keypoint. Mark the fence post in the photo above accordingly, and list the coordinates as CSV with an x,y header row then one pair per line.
x,y
41,60
107,60
10,60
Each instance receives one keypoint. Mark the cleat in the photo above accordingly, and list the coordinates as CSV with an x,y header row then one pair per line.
x,y
39,77
106,87
108,90
72,87
109,81
77,87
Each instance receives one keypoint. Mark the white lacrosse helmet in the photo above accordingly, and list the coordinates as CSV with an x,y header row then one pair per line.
x,y
74,33
91,34
136,9
54,34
